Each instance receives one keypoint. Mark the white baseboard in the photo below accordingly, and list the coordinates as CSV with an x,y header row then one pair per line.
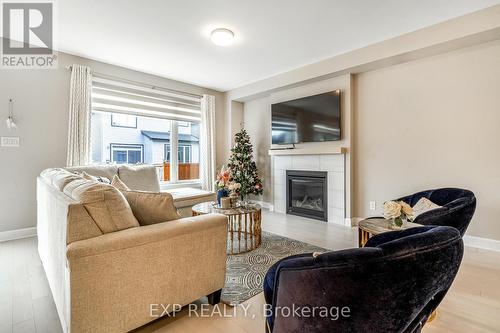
x,y
17,234
482,243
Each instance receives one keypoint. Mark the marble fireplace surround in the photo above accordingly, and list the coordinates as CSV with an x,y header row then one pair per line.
x,y
333,162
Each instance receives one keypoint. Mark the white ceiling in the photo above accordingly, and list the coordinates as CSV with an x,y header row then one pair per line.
x,y
170,38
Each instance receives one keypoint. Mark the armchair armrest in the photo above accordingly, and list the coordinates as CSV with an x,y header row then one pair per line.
x,y
393,235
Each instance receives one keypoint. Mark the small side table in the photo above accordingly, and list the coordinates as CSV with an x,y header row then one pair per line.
x,y
375,226
243,225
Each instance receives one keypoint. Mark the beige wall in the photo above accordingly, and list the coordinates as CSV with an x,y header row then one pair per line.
x,y
431,123
257,119
41,111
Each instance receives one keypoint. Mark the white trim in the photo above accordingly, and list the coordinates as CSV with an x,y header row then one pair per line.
x,y
17,234
353,221
482,243
319,149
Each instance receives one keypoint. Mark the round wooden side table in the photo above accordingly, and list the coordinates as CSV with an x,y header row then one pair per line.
x,y
244,231
374,226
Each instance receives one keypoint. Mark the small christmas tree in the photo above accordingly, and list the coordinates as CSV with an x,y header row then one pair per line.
x,y
242,166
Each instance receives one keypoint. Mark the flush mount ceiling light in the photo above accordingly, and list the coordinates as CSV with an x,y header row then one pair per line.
x,y
222,37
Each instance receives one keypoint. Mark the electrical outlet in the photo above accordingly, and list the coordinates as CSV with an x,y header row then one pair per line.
x,y
10,141
373,205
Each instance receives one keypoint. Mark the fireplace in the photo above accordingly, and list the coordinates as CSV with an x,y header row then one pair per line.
x,y
307,194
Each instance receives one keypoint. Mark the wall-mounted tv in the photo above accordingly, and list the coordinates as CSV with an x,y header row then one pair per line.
x,y
309,119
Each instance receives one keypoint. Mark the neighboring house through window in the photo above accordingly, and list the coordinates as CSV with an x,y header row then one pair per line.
x,y
126,153
183,153
133,124
123,120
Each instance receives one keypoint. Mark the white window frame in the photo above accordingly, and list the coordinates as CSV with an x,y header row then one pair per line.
x,y
184,147
174,162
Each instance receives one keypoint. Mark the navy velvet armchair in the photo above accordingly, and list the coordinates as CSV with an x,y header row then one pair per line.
x,y
457,207
391,285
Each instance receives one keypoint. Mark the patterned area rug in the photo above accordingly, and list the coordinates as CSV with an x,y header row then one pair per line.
x,y
245,272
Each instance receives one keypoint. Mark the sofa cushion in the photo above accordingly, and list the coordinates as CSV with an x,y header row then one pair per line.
x,y
100,179
96,170
105,204
151,207
80,224
119,184
59,177
140,177
48,174
63,179
187,196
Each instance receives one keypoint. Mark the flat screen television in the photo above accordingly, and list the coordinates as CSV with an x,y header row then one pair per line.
x,y
309,119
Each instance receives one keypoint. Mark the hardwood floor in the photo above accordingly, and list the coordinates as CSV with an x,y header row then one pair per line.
x,y
26,304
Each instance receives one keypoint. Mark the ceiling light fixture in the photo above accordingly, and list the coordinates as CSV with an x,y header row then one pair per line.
x,y
222,37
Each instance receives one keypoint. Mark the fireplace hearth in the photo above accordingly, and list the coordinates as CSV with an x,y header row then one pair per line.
x,y
307,194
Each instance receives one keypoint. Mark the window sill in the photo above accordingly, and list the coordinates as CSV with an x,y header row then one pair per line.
x,y
180,184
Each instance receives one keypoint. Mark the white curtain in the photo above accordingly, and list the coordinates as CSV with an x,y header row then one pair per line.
x,y
207,143
79,115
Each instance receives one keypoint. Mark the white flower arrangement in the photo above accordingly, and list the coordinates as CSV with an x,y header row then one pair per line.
x,y
398,211
234,187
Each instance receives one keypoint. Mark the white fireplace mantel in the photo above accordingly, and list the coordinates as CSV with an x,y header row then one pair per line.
x,y
320,150
333,162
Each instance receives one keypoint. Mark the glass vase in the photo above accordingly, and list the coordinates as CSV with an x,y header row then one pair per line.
x,y
222,193
397,223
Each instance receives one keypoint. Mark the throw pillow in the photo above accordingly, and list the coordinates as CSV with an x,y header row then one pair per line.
x,y
63,178
423,205
140,177
97,170
151,207
119,184
105,204
94,178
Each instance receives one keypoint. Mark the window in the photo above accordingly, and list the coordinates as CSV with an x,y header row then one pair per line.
x,y
123,120
125,153
135,123
183,154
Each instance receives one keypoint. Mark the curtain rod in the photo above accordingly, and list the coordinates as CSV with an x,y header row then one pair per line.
x,y
116,78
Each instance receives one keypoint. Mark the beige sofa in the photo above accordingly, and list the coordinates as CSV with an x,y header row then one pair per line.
x,y
147,180
107,281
